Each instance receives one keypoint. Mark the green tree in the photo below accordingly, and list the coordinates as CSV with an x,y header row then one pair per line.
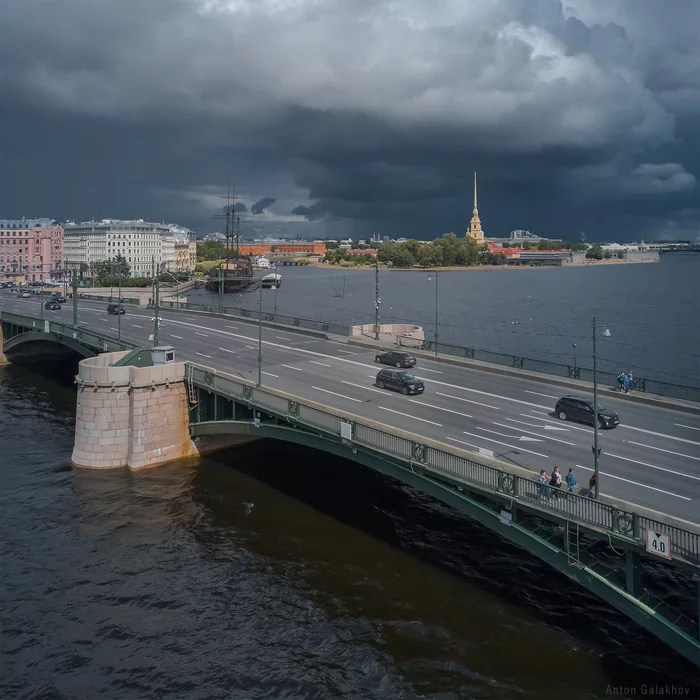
x,y
620,254
403,258
210,250
595,252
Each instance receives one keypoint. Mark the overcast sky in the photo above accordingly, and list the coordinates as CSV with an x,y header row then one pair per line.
x,y
345,117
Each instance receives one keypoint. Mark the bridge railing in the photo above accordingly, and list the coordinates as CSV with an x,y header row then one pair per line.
x,y
650,386
97,341
622,522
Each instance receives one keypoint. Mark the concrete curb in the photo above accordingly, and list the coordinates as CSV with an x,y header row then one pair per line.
x,y
648,399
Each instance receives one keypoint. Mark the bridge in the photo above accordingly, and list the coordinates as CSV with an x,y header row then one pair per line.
x,y
684,247
474,440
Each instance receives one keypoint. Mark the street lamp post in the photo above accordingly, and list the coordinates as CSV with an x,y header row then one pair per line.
x,y
596,449
119,312
575,363
260,308
436,311
377,300
75,298
156,318
274,286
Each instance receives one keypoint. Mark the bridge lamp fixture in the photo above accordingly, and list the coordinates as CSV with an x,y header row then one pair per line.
x,y
436,310
273,287
596,449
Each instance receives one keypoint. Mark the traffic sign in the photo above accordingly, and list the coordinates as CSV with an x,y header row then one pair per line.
x,y
658,543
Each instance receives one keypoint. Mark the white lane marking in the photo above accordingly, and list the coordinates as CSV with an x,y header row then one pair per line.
x,y
408,415
80,322
537,393
529,432
513,447
532,425
202,334
269,374
179,337
512,437
233,352
651,432
323,364
653,466
201,354
135,326
459,398
281,337
112,329
342,396
365,388
250,347
290,367
345,352
636,483
462,442
440,408
660,449
101,319
690,427
539,413
235,328
425,369
568,425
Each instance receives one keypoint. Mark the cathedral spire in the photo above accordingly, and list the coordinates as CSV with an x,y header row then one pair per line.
x,y
476,210
474,230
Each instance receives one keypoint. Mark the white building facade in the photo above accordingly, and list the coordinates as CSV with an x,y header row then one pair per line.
x,y
139,242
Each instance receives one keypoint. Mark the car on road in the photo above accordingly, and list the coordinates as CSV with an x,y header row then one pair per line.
x,y
60,299
116,310
399,380
52,306
583,410
396,358
24,295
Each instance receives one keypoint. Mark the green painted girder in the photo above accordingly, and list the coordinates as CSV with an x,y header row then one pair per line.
x,y
421,478
42,337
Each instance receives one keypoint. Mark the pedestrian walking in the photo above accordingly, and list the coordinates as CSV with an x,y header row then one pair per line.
x,y
630,380
543,487
621,381
571,480
591,486
625,383
555,482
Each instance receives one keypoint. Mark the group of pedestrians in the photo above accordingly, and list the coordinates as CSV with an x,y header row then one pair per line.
x,y
625,381
552,484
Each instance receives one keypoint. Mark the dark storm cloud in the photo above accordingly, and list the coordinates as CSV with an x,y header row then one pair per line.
x,y
262,204
371,115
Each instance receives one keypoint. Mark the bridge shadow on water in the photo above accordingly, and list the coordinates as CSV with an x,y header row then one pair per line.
x,y
416,524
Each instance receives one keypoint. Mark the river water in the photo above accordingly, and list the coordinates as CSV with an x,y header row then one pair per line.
x,y
270,572
651,309
274,573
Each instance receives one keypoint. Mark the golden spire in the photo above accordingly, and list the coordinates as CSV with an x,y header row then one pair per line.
x,y
476,210
474,230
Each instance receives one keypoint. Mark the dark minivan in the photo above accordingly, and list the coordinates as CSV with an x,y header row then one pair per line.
x,y
116,310
396,358
583,410
399,380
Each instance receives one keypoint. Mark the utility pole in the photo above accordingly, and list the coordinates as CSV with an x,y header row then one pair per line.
x,y
153,277
221,288
156,319
75,299
436,312
596,451
377,300
119,312
260,337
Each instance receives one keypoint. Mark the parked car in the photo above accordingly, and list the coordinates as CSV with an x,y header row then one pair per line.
x,y
116,309
399,380
52,306
396,358
583,410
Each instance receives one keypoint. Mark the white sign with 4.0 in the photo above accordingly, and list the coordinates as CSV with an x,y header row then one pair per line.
x,y
658,543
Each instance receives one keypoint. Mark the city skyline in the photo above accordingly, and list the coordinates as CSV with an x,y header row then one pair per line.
x,y
577,116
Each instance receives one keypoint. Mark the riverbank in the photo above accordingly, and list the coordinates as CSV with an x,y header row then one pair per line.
x,y
454,268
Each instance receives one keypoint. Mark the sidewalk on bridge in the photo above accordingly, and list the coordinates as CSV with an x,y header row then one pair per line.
x,y
603,389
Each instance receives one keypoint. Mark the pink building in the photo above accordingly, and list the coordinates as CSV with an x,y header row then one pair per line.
x,y
31,250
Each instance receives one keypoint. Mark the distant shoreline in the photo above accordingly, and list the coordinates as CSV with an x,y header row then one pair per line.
x,y
454,268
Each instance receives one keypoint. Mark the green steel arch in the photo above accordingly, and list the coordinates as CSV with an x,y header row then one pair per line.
x,y
13,346
685,641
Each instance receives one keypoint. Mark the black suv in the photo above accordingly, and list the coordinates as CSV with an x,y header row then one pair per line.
x,y
399,380
52,306
60,299
396,358
116,310
583,410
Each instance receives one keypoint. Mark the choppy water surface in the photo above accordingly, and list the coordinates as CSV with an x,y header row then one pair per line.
x,y
651,310
274,572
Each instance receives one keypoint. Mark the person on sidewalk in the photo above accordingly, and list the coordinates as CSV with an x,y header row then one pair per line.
x,y
630,380
591,486
571,481
555,482
544,489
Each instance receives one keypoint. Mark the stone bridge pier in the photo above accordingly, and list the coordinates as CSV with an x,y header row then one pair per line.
x,y
135,416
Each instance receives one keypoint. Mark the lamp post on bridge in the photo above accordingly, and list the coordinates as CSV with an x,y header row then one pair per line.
x,y
274,287
596,449
436,311
377,300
